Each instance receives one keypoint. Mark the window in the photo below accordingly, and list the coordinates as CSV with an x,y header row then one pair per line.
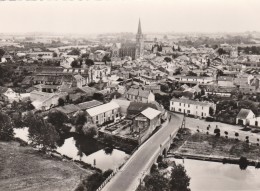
x,y
180,104
184,104
202,114
179,110
188,105
196,107
202,107
112,111
96,117
188,111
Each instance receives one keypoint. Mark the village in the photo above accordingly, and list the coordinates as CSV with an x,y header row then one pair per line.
x,y
119,92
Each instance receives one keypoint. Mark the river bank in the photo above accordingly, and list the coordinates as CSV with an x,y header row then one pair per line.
x,y
24,168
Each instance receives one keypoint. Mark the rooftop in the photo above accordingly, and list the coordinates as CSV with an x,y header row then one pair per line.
x,y
102,108
89,104
150,113
243,113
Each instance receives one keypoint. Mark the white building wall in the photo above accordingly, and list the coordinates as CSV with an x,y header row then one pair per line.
x,y
193,109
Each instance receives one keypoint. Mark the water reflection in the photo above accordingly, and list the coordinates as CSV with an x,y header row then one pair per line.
x,y
85,149
217,176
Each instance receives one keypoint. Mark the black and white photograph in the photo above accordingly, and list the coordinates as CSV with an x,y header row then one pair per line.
x,y
129,95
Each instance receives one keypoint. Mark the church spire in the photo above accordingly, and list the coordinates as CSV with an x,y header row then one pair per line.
x,y
139,27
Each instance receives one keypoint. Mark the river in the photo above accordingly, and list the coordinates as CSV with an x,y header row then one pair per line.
x,y
214,176
88,151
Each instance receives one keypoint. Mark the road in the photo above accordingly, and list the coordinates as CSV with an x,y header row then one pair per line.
x,y
129,176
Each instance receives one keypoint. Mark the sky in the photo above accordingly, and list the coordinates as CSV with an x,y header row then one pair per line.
x,y
103,16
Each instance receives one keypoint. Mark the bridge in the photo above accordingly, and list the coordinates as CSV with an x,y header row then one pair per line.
x,y
138,165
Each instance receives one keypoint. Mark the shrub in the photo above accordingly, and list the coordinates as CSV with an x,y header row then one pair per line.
x,y
243,163
159,159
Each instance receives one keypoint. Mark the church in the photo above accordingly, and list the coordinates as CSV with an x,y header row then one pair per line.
x,y
133,50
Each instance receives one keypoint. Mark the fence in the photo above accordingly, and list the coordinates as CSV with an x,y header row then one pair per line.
x,y
107,179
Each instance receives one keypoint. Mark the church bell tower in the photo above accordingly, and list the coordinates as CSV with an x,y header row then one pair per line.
x,y
139,42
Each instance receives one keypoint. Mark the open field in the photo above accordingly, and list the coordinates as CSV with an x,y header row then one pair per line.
x,y
22,168
209,145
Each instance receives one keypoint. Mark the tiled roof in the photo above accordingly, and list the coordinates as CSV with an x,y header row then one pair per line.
x,y
243,113
89,104
67,109
138,92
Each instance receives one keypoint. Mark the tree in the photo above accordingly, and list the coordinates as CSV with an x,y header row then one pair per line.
x,y
243,163
6,127
106,59
61,102
221,51
180,181
55,54
191,73
226,133
90,130
155,182
74,52
167,59
94,181
2,52
217,132
247,139
81,118
41,133
89,62
236,135
57,119
98,96
74,64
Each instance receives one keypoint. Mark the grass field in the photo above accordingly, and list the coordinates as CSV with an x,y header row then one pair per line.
x,y
22,168
209,145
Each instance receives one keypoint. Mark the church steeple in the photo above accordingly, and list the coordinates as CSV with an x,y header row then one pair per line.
x,y
139,41
139,31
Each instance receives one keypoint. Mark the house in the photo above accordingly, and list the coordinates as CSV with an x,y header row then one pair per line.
x,y
135,108
103,113
146,122
66,62
244,116
44,100
255,122
147,119
191,107
140,95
